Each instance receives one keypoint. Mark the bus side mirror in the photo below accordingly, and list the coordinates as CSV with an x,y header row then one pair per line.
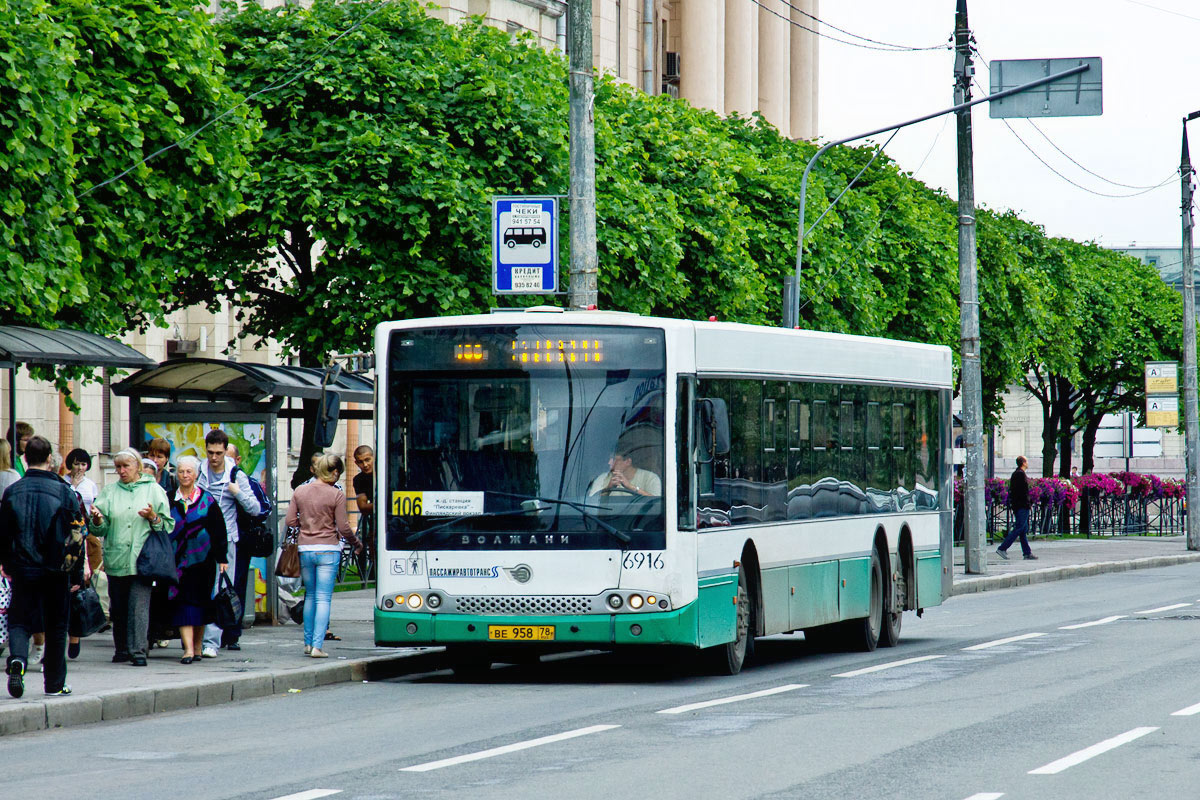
x,y
327,419
712,419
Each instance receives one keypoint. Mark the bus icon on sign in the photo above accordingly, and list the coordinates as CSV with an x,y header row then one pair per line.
x,y
516,236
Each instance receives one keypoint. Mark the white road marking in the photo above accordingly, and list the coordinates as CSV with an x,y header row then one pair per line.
x,y
735,698
986,796
1055,767
1163,608
889,665
1009,640
310,794
508,748
1187,712
1104,621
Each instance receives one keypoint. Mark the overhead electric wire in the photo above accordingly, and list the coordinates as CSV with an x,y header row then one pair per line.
x,y
1163,10
899,47
1081,166
794,23
303,68
820,289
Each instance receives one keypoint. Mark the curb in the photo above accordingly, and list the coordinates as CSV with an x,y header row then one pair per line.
x,y
128,703
987,583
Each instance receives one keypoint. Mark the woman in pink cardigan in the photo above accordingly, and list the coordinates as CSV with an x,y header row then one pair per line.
x,y
319,508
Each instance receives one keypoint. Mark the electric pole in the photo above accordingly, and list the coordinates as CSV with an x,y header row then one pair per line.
x,y
582,284
1191,424
971,385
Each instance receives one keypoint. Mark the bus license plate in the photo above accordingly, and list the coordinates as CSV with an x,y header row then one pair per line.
x,y
521,633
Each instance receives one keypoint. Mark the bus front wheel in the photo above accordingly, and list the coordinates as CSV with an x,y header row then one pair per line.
x,y
728,659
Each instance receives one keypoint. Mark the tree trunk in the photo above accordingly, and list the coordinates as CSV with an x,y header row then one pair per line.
x,y
1066,421
1049,430
1089,442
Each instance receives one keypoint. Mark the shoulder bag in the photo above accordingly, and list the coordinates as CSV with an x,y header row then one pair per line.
x,y
87,616
288,563
227,606
156,561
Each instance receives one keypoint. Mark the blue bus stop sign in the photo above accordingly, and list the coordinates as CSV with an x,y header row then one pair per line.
x,y
524,245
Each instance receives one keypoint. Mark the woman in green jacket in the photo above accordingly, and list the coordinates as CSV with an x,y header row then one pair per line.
x,y
123,515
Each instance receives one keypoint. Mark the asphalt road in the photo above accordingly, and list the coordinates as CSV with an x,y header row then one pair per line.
x,y
1002,694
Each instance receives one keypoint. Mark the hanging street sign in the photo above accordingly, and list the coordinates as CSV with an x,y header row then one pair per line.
x,y
1078,95
524,245
1162,377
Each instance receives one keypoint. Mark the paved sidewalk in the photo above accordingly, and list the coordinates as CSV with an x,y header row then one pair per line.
x,y
271,661
1072,558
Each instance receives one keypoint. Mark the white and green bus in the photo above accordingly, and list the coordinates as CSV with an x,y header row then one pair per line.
x,y
553,480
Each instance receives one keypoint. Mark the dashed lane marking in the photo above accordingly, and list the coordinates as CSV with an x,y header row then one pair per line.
x,y
1078,757
735,698
310,794
1187,712
1163,608
986,796
1008,640
889,665
508,748
1104,621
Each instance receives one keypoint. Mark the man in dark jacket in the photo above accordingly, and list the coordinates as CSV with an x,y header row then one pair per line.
x,y
41,544
1018,501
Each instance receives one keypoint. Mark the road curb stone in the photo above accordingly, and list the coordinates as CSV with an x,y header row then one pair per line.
x,y
985,583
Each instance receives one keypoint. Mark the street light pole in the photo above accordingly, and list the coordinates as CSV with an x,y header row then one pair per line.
x,y
582,282
971,385
1191,423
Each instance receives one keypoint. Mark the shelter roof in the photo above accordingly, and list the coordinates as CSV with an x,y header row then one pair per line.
x,y
22,345
214,380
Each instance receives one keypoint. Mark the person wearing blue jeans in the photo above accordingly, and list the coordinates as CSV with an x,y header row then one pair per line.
x,y
1018,501
319,510
318,573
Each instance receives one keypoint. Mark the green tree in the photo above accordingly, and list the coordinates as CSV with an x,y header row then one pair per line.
x,y
96,86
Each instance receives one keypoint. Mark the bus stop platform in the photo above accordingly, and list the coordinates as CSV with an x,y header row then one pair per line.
x,y
271,662
1059,559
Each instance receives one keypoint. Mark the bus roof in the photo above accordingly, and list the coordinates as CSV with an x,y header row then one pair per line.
x,y
730,348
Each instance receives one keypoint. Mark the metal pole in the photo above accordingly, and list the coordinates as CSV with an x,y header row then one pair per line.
x,y
582,288
1191,423
968,288
791,317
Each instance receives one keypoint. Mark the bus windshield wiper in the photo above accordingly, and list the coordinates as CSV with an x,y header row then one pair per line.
x,y
582,508
412,537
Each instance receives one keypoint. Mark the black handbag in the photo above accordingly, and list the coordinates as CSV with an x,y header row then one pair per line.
x,y
257,540
227,606
87,616
156,561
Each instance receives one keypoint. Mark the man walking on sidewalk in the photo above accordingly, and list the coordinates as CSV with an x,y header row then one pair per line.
x,y
41,549
1018,501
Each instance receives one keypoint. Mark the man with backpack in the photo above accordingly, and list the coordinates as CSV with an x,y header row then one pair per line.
x,y
41,553
252,528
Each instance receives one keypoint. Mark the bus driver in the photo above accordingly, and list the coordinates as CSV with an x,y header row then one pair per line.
x,y
623,475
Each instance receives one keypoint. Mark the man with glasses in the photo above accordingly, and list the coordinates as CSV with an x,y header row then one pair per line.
x,y
216,476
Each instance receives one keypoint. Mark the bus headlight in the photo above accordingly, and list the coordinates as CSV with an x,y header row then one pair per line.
x,y
434,600
615,601
635,601
414,601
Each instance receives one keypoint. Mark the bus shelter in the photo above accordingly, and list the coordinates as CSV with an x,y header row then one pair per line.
x,y
62,347
180,400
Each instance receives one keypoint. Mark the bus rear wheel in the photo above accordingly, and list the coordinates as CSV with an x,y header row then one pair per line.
x,y
889,636
728,659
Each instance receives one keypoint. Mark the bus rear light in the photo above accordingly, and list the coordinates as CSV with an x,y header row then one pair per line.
x,y
399,599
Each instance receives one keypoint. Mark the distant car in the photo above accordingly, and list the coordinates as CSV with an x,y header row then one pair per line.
x,y
516,236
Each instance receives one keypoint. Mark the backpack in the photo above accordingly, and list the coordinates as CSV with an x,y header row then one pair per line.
x,y
73,546
253,531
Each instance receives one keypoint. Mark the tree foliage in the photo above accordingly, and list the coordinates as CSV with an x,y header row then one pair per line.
x,y
93,88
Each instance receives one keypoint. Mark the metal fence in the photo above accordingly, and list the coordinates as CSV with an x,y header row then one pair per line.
x,y
1096,514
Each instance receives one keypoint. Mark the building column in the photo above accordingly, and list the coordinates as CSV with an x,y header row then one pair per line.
x,y
804,71
741,57
774,64
702,53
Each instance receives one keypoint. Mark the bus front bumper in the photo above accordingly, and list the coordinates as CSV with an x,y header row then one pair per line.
x,y
407,629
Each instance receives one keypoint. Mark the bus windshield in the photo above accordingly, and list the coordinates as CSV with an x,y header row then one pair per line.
x,y
526,437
